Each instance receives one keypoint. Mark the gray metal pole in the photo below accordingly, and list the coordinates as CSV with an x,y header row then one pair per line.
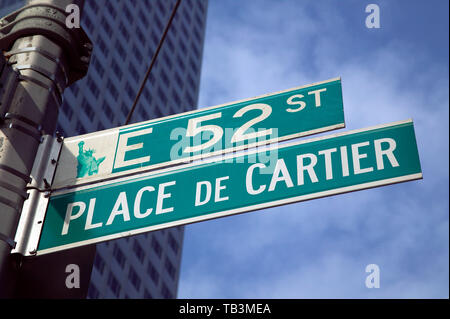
x,y
47,57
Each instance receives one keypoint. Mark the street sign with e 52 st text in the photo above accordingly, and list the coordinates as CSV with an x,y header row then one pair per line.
x,y
184,137
282,174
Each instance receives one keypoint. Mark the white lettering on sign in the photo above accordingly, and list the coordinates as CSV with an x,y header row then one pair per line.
x,y
301,168
120,210
307,165
280,173
161,196
123,148
198,193
317,96
296,100
388,152
290,101
328,167
219,187
90,215
137,202
249,182
357,158
70,208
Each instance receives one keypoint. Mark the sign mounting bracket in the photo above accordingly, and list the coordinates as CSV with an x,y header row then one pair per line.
x,y
35,206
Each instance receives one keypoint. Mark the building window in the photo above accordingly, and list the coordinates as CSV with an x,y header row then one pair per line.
x,y
191,82
124,31
87,22
143,113
162,96
134,278
94,6
155,39
140,35
181,63
113,284
119,256
100,126
116,68
93,87
158,112
178,80
186,16
184,29
153,273
87,108
164,78
120,50
143,19
80,128
127,13
138,251
170,268
98,66
195,50
176,98
147,5
158,22
112,89
132,70
182,45
167,61
124,109
67,110
189,99
99,263
107,111
147,294
111,9
170,42
74,89
173,243
137,53
152,78
147,95
200,6
104,23
130,91
161,8
156,247
199,20
165,292
193,65
101,44
93,292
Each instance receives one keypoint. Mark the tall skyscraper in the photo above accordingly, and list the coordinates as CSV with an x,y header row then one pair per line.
x,y
125,34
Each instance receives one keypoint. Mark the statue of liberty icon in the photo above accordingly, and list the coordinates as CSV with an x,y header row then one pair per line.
x,y
87,163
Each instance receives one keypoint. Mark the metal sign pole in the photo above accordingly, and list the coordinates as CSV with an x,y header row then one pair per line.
x,y
45,57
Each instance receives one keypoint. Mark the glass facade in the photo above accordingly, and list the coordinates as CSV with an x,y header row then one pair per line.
x,y
125,34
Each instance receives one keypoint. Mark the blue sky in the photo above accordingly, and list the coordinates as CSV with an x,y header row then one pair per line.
x,y
320,248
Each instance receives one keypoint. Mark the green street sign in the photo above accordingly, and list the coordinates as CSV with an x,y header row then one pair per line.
x,y
194,192
203,133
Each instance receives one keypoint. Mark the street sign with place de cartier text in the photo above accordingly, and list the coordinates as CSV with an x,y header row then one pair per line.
x,y
237,183
182,138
